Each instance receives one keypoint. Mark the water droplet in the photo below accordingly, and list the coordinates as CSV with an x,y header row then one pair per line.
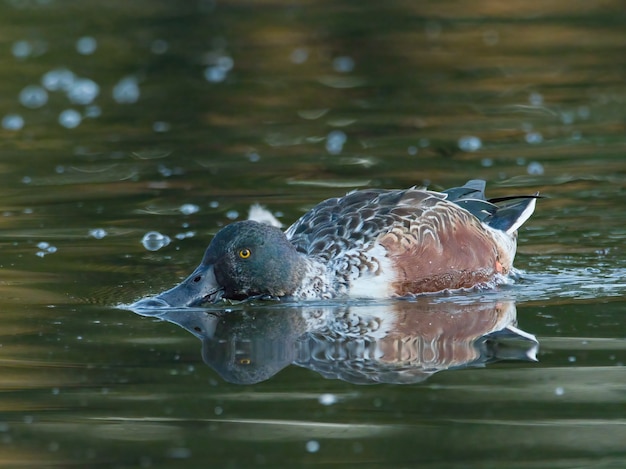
x,y
83,91
98,233
188,209
254,157
486,162
33,96
126,91
567,117
571,359
45,248
58,79
299,55
86,45
312,446
187,234
21,49
335,141
179,453
70,118
534,137
153,241
535,99
218,410
160,126
328,399
584,112
12,122
534,168
159,46
232,214
343,64
93,111
559,391
214,74
214,204
469,143
412,150
225,62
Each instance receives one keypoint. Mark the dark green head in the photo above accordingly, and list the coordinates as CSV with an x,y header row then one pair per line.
x,y
244,259
251,258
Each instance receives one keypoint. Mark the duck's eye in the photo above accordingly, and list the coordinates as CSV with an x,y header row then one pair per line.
x,y
244,253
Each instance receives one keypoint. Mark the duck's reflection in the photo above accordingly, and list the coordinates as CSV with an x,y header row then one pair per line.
x,y
395,342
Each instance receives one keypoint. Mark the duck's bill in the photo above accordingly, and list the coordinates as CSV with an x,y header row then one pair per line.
x,y
199,288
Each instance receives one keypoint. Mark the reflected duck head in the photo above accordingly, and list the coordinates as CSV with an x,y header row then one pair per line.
x,y
245,259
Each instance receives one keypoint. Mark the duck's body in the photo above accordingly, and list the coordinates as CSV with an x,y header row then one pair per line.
x,y
367,244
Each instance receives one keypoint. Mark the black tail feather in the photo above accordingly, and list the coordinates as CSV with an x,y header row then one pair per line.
x,y
502,213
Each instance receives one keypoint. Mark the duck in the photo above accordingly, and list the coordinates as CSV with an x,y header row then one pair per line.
x,y
369,244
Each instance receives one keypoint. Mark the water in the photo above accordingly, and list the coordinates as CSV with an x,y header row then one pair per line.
x,y
175,119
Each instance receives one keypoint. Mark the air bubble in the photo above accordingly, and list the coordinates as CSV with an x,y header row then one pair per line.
x,y
328,399
343,64
97,233
159,46
470,143
86,45
12,122
161,127
188,209
21,49
535,99
126,91
70,118
312,446
58,79
534,137
83,91
153,241
93,111
214,74
534,168
299,55
33,96
335,141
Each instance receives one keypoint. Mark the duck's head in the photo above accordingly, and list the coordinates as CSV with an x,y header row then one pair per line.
x,y
245,259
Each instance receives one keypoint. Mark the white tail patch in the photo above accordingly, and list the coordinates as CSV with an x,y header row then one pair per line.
x,y
525,215
260,214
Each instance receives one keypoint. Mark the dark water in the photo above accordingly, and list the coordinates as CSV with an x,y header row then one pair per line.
x,y
176,117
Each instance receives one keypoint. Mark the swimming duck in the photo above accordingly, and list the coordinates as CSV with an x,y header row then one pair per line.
x,y
370,243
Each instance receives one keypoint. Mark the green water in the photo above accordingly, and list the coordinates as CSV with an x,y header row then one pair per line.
x,y
191,113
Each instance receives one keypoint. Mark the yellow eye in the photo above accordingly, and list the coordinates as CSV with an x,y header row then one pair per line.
x,y
245,361
245,253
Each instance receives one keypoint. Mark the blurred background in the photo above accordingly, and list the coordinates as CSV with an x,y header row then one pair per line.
x,y
132,131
